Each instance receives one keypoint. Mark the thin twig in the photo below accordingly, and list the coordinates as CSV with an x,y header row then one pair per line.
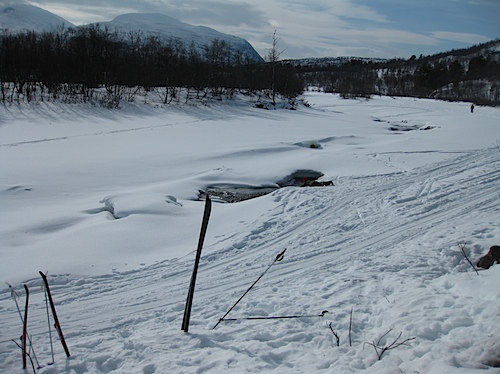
x,y
27,354
350,330
334,334
380,350
462,248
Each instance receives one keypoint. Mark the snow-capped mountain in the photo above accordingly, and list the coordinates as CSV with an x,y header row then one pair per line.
x,y
23,17
19,18
167,27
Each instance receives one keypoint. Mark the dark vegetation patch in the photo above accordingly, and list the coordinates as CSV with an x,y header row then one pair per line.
x,y
409,127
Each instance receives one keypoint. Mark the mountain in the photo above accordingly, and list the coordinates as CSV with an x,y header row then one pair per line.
x,y
165,27
20,18
23,17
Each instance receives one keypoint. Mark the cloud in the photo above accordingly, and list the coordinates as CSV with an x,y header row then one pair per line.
x,y
88,11
389,36
209,12
335,8
460,37
491,3
228,13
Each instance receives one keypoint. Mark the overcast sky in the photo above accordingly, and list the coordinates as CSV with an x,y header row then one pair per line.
x,y
316,28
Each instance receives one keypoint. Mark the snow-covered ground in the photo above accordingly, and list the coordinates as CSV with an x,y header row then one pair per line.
x,y
107,203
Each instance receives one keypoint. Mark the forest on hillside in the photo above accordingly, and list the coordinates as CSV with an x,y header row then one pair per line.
x,y
471,74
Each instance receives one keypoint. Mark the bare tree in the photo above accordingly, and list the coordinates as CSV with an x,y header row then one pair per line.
x,y
272,58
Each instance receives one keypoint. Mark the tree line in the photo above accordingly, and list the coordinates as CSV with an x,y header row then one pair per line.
x,y
74,63
94,63
471,75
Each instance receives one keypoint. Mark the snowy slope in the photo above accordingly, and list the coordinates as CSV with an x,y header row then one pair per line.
x,y
381,243
165,27
23,17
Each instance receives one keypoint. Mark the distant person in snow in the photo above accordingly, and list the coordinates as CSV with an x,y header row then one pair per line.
x,y
472,108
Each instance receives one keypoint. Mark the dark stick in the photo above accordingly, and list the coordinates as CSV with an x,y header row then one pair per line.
x,y
54,314
335,334
273,317
350,330
279,257
189,301
462,248
25,326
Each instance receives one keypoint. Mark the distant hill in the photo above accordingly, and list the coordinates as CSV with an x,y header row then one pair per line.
x,y
21,18
471,74
165,27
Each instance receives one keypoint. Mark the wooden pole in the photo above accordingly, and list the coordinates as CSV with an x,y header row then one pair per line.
x,y
189,301
25,326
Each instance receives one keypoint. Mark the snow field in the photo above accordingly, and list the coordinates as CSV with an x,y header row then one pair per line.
x,y
106,204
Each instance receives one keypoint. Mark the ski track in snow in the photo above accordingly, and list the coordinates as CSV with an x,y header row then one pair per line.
x,y
123,318
377,245
142,128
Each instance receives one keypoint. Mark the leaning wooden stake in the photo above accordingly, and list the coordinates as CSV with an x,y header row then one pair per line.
x,y
189,301
54,314
25,326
